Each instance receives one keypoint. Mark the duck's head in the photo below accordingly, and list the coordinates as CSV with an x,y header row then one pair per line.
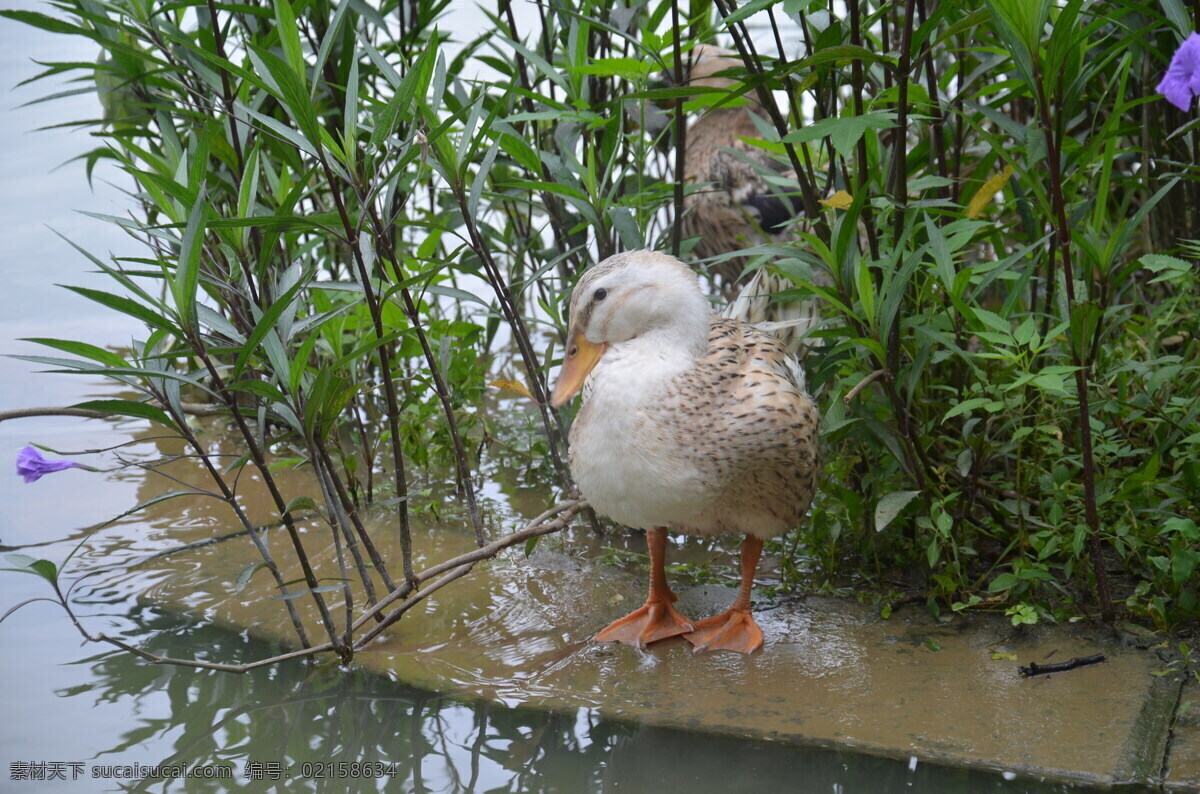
x,y
637,294
707,61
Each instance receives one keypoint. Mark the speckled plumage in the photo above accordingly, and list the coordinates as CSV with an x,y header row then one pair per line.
x,y
734,435
691,422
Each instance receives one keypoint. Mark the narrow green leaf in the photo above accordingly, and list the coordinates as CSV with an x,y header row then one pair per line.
x,y
260,388
315,320
248,190
265,324
301,503
289,37
218,324
627,227
129,408
890,505
749,9
841,53
331,35
519,149
300,363
480,179
83,349
400,107
44,22
79,368
350,118
456,293
290,90
541,63
187,272
635,70
468,139
243,578
380,62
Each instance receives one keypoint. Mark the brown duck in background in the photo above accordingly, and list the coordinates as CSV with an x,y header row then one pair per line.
x,y
733,206
691,423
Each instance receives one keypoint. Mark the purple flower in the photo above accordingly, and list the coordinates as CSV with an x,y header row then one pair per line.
x,y
1182,80
31,465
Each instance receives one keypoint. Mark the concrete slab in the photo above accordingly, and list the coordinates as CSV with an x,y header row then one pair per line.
x,y
1183,759
832,672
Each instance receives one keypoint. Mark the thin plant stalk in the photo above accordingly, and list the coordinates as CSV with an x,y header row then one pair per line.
x,y
1063,237
385,368
462,466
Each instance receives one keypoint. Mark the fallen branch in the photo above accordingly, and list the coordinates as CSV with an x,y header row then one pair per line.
x,y
226,668
862,384
565,511
192,409
457,567
1060,667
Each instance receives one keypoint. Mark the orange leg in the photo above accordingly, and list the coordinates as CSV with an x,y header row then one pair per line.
x,y
657,619
734,629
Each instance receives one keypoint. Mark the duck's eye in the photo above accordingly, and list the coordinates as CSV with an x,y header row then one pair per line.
x,y
600,295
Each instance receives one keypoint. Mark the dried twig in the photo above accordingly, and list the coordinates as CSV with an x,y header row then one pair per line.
x,y
1059,667
539,526
457,567
862,384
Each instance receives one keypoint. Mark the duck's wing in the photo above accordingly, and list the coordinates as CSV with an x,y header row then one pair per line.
x,y
791,320
742,415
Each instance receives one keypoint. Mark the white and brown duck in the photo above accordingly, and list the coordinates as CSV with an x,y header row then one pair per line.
x,y
690,423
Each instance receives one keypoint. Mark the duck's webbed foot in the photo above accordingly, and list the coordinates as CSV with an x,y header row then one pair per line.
x,y
656,620
732,630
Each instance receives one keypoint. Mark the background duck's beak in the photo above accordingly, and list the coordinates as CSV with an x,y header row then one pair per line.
x,y
582,355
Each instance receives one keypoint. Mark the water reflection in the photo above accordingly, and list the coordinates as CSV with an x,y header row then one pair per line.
x,y
297,728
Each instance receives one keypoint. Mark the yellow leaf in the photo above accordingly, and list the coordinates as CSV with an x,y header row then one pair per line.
x,y
839,201
514,386
987,191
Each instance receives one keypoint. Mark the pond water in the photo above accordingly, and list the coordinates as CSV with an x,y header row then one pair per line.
x,y
84,718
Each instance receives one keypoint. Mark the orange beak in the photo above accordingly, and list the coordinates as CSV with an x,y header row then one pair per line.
x,y
582,356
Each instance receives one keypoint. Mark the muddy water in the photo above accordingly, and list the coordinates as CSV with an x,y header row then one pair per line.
x,y
493,645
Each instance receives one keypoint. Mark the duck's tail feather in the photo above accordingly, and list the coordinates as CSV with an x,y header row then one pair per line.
x,y
791,320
